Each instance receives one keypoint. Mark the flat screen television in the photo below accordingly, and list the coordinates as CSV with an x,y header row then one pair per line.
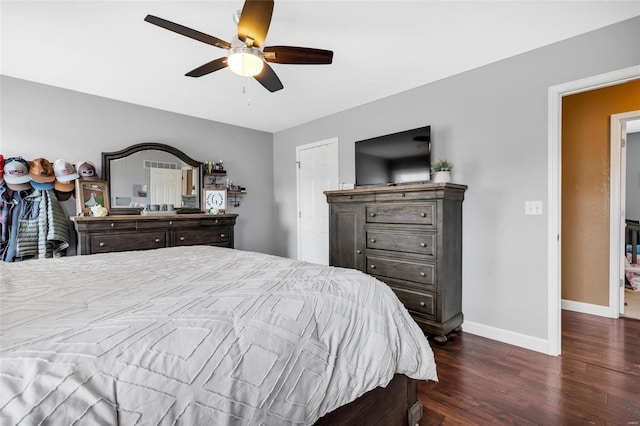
x,y
399,158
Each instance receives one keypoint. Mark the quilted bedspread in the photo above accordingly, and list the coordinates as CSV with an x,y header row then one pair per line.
x,y
195,335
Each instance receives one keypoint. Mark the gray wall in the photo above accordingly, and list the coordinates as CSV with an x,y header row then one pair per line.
x,y
632,207
45,121
492,123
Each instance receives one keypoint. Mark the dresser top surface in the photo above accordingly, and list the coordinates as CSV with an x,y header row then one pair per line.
x,y
129,217
399,188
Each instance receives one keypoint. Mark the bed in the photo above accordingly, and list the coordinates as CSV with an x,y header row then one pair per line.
x,y
204,335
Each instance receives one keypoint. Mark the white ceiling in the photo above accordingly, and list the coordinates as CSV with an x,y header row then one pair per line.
x,y
380,48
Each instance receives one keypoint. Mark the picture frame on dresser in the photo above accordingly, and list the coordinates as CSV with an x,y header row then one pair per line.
x,y
90,193
214,199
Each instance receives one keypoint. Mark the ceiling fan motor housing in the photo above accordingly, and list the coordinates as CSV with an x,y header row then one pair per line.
x,y
245,61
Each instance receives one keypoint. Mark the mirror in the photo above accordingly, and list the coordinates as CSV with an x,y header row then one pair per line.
x,y
152,173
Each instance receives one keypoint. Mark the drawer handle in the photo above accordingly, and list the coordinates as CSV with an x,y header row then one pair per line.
x,y
373,266
402,195
423,215
351,197
358,251
222,235
216,221
372,214
422,274
102,244
423,304
157,240
170,223
423,244
113,224
182,238
373,240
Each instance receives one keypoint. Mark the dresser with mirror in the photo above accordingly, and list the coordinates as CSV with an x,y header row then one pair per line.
x,y
146,174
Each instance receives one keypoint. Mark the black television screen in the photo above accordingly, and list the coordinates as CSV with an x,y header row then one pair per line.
x,y
399,158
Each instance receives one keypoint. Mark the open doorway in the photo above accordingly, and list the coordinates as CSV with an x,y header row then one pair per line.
x,y
596,299
630,296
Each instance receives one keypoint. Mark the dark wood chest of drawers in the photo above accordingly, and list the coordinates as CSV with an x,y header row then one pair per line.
x,y
129,232
410,237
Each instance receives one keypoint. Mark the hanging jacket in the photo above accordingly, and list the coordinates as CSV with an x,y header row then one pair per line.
x,y
17,202
43,229
26,244
57,225
5,216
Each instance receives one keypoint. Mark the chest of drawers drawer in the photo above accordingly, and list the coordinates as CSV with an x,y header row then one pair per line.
x,y
411,270
189,237
108,225
155,224
216,222
351,198
409,213
422,302
401,240
125,241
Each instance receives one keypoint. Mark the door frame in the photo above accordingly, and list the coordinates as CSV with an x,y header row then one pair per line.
x,y
617,208
333,157
556,93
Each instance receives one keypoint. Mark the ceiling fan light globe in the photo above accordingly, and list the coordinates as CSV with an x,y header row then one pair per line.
x,y
245,61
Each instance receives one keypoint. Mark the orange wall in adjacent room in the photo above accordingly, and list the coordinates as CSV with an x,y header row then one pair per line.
x,y
585,188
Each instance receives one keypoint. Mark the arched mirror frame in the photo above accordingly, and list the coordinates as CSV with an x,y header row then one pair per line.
x,y
116,155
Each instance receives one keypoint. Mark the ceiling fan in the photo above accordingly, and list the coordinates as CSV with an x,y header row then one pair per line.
x,y
246,55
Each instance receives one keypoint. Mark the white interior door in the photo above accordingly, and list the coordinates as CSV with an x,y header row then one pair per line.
x,y
165,186
317,172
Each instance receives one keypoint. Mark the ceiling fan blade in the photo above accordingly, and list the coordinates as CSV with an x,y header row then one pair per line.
x,y
254,22
208,68
297,55
181,29
269,79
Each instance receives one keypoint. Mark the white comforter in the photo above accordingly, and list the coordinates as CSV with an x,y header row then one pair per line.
x,y
196,335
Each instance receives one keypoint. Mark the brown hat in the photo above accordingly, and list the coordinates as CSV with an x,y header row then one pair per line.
x,y
64,186
87,171
41,170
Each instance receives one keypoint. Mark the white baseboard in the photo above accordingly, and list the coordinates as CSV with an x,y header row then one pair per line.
x,y
587,308
506,336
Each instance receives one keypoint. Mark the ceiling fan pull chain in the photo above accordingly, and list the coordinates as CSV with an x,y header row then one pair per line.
x,y
245,90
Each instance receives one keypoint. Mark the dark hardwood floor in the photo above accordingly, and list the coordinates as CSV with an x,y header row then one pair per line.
x,y
595,381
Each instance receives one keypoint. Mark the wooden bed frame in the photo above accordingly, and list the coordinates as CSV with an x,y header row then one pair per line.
x,y
395,405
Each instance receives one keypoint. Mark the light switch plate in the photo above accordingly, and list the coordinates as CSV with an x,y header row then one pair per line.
x,y
533,207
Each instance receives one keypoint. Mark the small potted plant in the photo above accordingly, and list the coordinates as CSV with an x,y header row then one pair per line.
x,y
442,171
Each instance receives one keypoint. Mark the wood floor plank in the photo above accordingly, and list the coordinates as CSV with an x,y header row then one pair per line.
x,y
596,380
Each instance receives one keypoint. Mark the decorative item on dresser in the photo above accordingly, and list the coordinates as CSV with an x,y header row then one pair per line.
x,y
129,232
442,171
410,237
91,193
212,181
